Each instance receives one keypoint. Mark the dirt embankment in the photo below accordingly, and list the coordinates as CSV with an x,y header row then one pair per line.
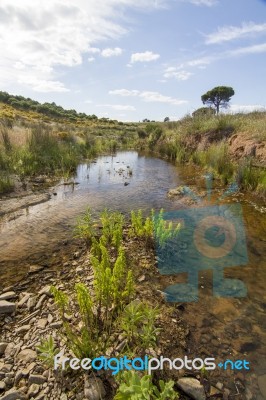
x,y
241,145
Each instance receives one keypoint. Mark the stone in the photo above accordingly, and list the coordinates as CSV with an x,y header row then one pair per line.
x,y
262,384
46,290
192,388
18,377
27,356
35,268
24,300
6,307
2,385
41,396
40,302
13,394
28,369
219,385
94,389
3,347
38,379
10,350
8,296
23,328
33,390
31,303
42,323
50,318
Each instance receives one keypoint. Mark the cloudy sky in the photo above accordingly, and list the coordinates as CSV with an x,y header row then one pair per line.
x,y
133,59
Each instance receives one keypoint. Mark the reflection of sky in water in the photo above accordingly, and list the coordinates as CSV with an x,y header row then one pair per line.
x,y
100,184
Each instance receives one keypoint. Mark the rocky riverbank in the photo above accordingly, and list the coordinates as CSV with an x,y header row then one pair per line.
x,y
28,315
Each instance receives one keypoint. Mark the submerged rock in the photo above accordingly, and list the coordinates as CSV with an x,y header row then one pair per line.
x,y
179,191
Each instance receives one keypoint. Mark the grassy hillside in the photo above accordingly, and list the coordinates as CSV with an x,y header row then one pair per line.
x,y
45,139
32,143
232,147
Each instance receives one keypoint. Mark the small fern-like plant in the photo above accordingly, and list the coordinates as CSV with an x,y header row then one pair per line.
x,y
85,227
47,351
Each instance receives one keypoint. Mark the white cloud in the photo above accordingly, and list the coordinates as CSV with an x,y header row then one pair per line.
x,y
229,33
208,3
93,50
180,75
42,37
240,51
111,52
255,49
147,56
246,108
118,107
42,85
91,59
88,101
147,96
124,92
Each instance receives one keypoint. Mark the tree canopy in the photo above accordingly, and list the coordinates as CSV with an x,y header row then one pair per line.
x,y
218,97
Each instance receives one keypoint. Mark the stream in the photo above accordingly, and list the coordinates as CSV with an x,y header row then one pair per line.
x,y
220,327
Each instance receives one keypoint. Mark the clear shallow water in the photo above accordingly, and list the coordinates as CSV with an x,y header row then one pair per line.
x,y
37,229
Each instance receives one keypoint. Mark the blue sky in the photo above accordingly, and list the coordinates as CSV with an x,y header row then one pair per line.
x,y
134,59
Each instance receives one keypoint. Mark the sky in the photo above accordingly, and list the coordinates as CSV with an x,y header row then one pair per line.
x,y
134,59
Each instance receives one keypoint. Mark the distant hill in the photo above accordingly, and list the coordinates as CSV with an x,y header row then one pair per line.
x,y
50,110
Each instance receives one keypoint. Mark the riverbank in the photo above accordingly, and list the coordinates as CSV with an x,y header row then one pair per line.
x,y
34,317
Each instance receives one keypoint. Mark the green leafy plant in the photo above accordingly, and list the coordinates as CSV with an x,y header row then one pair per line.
x,y
134,387
112,227
85,228
47,351
164,230
138,323
141,227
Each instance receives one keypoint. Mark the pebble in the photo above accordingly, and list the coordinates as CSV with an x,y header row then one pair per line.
x,y
23,300
13,394
192,388
23,328
38,379
40,302
27,356
94,389
6,307
3,347
33,390
8,296
42,323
